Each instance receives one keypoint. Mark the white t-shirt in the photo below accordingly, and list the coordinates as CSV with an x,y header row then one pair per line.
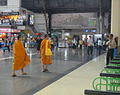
x,y
99,43
90,42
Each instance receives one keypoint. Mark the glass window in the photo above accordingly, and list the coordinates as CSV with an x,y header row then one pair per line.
x,y
3,2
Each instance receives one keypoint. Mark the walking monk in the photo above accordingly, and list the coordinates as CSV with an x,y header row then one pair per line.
x,y
46,53
21,58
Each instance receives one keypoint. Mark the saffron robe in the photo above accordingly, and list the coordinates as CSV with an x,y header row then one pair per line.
x,y
21,59
45,59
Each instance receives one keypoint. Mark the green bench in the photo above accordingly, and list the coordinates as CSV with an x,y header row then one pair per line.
x,y
111,69
99,92
107,82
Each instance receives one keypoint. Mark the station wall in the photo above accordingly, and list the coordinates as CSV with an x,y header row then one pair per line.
x,y
12,5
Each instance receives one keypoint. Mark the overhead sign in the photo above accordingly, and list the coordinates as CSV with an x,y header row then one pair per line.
x,y
9,13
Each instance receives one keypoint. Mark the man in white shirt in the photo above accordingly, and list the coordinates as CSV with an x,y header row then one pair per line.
x,y
111,45
90,46
99,45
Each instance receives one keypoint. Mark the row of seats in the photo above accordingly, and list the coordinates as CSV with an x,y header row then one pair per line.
x,y
108,83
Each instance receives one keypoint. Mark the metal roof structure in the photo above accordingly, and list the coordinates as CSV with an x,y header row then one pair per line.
x,y
66,6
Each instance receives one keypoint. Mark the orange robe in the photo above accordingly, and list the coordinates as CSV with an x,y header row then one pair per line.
x,y
45,59
21,58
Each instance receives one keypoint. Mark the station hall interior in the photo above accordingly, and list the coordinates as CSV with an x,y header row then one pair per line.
x,y
59,47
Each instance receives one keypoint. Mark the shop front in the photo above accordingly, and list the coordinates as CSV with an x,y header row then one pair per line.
x,y
12,18
8,32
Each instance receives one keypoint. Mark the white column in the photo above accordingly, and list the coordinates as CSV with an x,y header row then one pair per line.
x,y
115,19
63,32
40,23
101,24
98,25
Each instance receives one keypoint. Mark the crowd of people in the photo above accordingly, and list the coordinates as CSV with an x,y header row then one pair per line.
x,y
108,44
6,44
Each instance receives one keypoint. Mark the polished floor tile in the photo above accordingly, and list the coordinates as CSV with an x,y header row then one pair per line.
x,y
64,61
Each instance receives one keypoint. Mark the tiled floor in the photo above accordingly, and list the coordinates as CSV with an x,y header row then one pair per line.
x,y
64,61
77,81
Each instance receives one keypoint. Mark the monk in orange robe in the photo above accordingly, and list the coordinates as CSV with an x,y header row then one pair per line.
x,y
46,53
21,58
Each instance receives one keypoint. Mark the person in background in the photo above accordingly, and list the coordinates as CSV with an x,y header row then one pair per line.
x,y
85,42
115,49
90,46
99,45
56,42
52,44
80,43
46,53
1,45
7,45
111,45
104,42
74,43
21,58
39,40
12,42
1,41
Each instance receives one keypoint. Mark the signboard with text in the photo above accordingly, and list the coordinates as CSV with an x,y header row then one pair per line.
x,y
8,30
